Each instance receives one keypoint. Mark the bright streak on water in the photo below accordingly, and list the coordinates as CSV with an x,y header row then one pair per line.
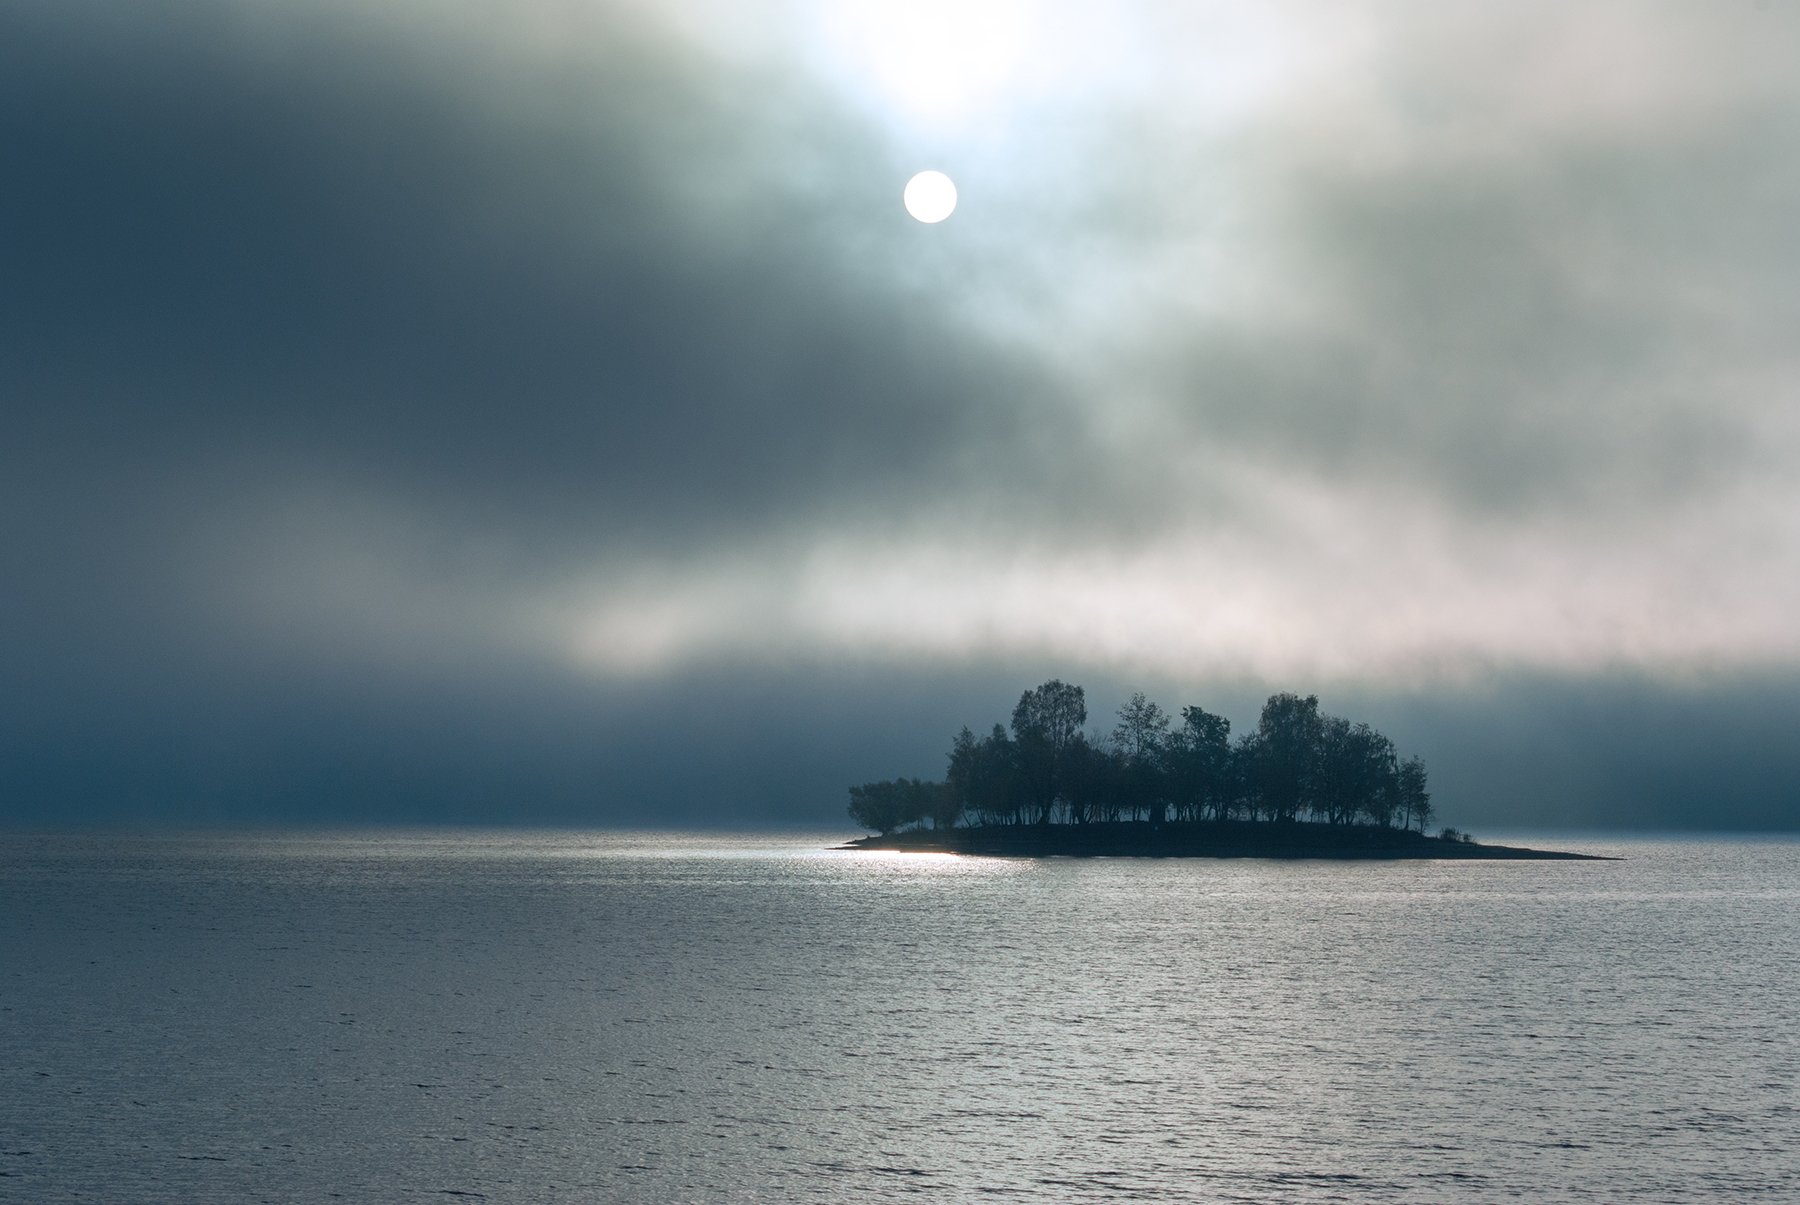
x,y
690,1017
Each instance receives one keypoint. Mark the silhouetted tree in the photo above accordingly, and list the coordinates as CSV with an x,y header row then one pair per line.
x,y
1247,764
881,806
1356,774
1415,800
1045,724
1200,764
1296,761
1236,797
940,804
1381,802
960,774
1140,738
1083,780
1333,795
1107,782
1055,710
1142,728
995,786
886,806
1282,767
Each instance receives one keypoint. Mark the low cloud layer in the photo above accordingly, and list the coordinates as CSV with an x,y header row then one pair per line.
x,y
383,361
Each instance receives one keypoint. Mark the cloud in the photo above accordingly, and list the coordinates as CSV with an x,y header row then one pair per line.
x,y
574,315
584,348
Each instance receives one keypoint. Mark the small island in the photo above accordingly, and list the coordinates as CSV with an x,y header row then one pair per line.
x,y
1302,784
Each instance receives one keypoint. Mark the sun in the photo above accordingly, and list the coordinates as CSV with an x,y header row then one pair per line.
x,y
930,196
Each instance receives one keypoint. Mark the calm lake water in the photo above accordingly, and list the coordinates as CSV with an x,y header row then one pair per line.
x,y
663,1018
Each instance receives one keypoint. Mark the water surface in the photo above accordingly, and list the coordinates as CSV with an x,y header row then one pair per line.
x,y
672,1018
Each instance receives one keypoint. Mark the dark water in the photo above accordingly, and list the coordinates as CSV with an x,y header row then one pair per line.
x,y
696,1018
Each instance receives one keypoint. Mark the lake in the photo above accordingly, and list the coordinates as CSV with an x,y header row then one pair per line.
x,y
695,1017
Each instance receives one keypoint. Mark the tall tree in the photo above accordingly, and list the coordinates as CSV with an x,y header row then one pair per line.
x,y
1356,773
881,806
1285,753
1142,729
1110,790
1381,778
960,774
940,804
1083,780
1200,757
1248,765
1055,711
1333,796
1141,737
1045,725
1415,800
996,787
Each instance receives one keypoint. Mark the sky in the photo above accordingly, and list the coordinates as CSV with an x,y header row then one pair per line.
x,y
430,411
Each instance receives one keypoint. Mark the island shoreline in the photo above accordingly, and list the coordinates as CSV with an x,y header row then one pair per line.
x,y
1288,841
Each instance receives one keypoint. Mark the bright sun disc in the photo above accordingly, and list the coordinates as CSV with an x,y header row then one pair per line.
x,y
930,196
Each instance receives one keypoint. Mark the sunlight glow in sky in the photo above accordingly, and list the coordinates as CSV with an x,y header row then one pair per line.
x,y
933,61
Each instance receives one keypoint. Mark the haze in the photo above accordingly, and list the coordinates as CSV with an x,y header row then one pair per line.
x,y
418,412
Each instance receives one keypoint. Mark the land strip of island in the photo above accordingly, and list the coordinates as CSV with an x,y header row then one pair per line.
x,y
1200,839
1301,784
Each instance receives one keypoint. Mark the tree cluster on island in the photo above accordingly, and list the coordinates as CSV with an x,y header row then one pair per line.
x,y
1297,764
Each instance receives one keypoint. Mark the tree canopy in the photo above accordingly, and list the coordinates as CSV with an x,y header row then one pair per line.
x,y
1298,763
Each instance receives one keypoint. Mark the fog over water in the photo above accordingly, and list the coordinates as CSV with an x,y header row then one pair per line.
x,y
675,1018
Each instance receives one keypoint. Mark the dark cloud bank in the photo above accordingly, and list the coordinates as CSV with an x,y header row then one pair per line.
x,y
333,346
